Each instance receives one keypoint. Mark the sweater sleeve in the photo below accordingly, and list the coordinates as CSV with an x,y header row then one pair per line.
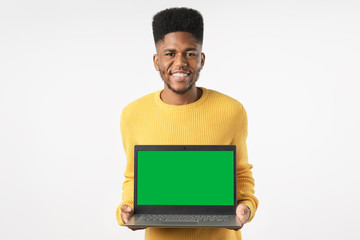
x,y
245,181
128,184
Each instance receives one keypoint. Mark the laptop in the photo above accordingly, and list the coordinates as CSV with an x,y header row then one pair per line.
x,y
185,186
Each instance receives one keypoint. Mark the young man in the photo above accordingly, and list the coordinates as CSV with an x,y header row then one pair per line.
x,y
182,113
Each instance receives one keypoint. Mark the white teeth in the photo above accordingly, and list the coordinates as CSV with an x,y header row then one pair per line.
x,y
179,74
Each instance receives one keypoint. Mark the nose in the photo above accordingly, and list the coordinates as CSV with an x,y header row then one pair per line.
x,y
180,60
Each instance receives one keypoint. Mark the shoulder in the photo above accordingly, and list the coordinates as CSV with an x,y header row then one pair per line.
x,y
225,101
139,105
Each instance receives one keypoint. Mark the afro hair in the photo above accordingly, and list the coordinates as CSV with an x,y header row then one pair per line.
x,y
178,20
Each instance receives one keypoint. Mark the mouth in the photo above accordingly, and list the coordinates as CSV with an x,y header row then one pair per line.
x,y
179,75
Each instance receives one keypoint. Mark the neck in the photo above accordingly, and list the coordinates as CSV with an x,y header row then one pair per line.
x,y
169,97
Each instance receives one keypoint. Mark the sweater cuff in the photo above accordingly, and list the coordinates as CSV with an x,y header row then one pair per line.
x,y
251,207
118,211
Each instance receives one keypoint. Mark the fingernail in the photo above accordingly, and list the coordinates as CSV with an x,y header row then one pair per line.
x,y
128,208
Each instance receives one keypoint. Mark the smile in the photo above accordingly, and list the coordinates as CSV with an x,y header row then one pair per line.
x,y
180,74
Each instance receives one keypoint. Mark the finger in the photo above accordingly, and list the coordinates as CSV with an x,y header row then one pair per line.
x,y
242,208
135,229
126,213
125,217
241,220
236,229
126,208
243,213
243,217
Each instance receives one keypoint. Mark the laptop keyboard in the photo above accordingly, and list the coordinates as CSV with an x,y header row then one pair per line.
x,y
186,218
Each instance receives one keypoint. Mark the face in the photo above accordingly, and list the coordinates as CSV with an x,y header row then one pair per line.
x,y
179,60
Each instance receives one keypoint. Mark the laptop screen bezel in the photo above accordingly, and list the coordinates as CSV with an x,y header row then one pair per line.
x,y
184,209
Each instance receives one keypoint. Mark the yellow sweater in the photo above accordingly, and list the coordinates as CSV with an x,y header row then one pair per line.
x,y
214,119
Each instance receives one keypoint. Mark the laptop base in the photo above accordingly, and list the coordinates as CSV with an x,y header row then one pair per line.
x,y
138,221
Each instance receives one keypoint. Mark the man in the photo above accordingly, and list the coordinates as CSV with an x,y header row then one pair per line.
x,y
182,113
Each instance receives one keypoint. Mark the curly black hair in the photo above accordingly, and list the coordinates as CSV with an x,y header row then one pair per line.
x,y
178,20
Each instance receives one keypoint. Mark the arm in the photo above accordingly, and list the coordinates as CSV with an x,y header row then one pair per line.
x,y
128,185
245,181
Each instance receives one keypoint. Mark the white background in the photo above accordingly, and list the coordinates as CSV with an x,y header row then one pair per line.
x,y
67,68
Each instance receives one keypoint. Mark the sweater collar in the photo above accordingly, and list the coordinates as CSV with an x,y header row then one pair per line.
x,y
202,99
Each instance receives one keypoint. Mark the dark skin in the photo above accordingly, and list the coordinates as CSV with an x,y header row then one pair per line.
x,y
179,59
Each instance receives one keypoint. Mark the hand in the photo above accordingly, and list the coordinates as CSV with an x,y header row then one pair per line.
x,y
126,214
243,214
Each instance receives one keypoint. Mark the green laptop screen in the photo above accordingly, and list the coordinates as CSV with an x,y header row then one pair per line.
x,y
185,178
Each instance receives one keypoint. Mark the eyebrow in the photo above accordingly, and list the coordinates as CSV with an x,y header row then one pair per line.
x,y
186,50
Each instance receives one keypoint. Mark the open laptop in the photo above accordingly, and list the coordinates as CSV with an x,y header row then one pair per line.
x,y
185,186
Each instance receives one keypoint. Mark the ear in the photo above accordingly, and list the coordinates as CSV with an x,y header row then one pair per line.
x,y
156,62
202,60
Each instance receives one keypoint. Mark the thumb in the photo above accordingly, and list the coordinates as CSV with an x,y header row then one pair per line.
x,y
126,208
243,212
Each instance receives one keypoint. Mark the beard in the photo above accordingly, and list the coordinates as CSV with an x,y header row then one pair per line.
x,y
181,92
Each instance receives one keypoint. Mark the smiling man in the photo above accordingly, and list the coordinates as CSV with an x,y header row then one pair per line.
x,y
184,114
179,60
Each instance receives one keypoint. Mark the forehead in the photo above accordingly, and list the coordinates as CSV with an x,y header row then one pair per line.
x,y
178,40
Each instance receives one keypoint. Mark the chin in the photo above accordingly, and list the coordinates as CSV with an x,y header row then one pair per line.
x,y
181,90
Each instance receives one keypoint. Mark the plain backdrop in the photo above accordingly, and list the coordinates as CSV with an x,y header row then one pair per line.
x,y
68,68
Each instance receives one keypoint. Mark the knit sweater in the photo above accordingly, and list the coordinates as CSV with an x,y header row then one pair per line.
x,y
214,119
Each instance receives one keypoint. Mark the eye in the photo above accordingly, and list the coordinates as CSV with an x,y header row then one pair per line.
x,y
170,54
191,54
